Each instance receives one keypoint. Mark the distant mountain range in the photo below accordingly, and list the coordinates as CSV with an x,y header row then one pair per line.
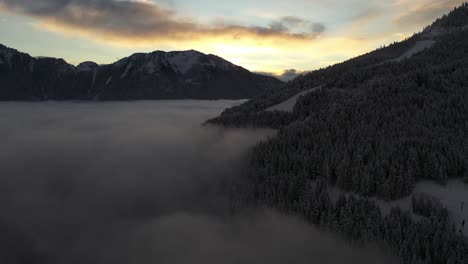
x,y
157,75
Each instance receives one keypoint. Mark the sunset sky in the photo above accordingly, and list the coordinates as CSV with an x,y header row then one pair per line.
x,y
262,36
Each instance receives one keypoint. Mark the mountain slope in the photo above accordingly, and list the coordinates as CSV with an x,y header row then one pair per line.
x,y
156,75
351,73
382,123
377,106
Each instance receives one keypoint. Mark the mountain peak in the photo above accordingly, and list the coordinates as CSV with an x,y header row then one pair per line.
x,y
87,66
190,51
156,75
183,61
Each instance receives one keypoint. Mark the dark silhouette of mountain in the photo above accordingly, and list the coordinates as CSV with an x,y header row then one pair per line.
x,y
156,75
371,129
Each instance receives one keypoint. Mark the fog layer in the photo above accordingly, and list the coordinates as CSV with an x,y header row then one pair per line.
x,y
138,182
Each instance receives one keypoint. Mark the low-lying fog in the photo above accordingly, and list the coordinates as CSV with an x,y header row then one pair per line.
x,y
138,182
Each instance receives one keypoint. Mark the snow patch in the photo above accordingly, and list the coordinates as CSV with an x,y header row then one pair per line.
x,y
127,70
191,81
217,62
31,66
288,105
93,81
150,67
453,196
385,206
109,80
183,61
417,48
180,61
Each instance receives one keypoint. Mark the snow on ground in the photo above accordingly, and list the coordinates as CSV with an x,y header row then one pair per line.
x,y
150,67
217,62
453,196
93,81
31,66
288,105
385,206
127,70
418,47
183,61
109,80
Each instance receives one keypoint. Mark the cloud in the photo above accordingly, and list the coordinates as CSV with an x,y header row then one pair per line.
x,y
139,182
146,21
390,21
262,237
286,75
289,23
423,12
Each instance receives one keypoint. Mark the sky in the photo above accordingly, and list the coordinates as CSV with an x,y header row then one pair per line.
x,y
279,37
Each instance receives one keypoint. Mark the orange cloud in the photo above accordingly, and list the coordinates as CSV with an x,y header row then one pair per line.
x,y
146,22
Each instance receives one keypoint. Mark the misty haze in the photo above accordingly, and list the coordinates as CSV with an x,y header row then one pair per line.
x,y
138,182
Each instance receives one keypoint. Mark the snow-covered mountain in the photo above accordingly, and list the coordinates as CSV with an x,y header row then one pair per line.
x,y
155,75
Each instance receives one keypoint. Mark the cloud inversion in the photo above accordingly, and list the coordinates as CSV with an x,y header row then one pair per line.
x,y
142,183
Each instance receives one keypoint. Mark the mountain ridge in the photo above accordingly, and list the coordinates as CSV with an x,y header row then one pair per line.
x,y
382,124
456,22
155,75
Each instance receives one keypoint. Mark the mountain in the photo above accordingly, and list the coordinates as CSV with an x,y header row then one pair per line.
x,y
157,75
358,141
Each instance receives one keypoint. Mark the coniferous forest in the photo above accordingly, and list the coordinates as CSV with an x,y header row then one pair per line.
x,y
378,126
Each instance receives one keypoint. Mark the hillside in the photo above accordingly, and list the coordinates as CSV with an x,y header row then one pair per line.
x,y
380,124
156,75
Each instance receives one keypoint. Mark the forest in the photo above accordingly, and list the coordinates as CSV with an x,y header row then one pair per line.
x,y
377,128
